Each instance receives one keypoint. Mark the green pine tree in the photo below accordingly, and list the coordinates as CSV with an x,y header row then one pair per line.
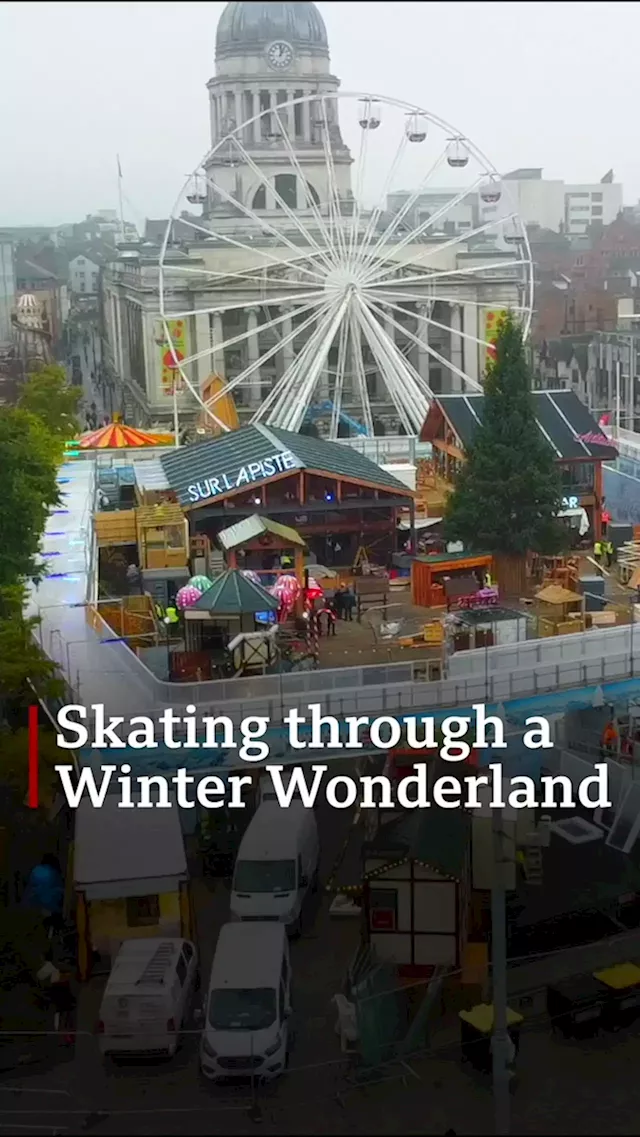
x,y
508,492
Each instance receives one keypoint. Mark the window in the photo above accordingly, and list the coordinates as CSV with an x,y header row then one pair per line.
x,y
181,970
143,911
287,189
596,211
383,909
265,876
242,1009
260,198
596,197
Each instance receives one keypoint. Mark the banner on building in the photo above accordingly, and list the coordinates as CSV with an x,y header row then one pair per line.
x,y
492,317
176,347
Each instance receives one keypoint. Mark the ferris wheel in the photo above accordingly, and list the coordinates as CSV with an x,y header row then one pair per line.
x,y
334,261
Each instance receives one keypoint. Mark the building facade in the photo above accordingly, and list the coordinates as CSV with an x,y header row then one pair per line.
x,y
7,289
555,205
268,54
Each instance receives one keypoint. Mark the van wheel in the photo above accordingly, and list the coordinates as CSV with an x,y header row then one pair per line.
x,y
296,928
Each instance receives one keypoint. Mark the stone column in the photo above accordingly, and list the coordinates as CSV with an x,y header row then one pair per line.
x,y
216,337
203,343
253,355
457,350
306,120
239,117
471,351
286,327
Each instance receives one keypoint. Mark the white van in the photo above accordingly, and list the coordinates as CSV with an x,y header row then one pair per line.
x,y
266,788
246,1030
276,866
147,996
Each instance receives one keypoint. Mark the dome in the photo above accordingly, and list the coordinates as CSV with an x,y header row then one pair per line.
x,y
246,27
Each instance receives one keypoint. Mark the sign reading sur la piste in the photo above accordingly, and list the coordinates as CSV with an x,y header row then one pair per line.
x,y
245,476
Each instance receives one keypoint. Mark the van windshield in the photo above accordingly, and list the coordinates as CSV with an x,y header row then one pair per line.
x,y
242,1009
265,876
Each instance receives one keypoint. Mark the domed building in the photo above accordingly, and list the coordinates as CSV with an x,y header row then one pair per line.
x,y
268,54
274,192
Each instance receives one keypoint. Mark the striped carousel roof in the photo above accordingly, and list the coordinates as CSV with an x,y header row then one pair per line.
x,y
117,436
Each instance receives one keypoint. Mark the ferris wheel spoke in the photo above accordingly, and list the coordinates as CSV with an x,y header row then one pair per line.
x,y
334,195
254,249
257,364
356,211
357,329
460,238
261,222
391,256
324,338
216,348
339,381
270,188
421,298
429,349
399,217
243,305
285,388
409,393
372,224
470,270
303,182
435,324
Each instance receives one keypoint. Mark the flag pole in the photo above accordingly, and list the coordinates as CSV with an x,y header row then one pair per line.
x,y
120,198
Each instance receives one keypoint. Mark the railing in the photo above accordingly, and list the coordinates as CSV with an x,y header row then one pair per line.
x,y
383,451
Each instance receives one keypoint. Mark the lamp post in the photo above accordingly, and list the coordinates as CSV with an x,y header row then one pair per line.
x,y
501,1041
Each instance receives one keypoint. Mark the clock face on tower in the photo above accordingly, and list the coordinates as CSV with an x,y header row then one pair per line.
x,y
279,55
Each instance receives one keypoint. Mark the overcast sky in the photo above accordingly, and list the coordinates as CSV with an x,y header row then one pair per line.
x,y
555,85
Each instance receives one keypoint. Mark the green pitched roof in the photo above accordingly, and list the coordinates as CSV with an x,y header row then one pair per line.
x,y
252,527
234,594
224,458
437,838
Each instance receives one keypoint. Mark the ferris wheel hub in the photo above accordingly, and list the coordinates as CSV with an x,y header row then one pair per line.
x,y
343,279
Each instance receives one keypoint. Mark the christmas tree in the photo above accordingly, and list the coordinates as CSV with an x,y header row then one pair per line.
x,y
508,492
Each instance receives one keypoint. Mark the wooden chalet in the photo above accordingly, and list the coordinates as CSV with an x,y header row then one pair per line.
x,y
417,881
336,499
578,444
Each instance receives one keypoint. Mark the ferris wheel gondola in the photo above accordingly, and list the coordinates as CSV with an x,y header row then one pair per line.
x,y
312,283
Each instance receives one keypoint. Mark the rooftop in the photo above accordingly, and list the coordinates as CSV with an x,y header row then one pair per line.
x,y
247,456
565,423
118,852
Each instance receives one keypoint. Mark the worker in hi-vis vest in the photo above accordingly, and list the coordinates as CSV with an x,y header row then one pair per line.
x,y
172,616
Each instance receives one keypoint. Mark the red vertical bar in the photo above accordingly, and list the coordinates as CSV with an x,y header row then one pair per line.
x,y
33,758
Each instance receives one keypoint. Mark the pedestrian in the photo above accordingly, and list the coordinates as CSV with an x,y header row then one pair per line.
x,y
609,553
597,553
349,603
338,602
57,986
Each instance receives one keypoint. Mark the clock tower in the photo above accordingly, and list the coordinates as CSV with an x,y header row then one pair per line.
x,y
268,54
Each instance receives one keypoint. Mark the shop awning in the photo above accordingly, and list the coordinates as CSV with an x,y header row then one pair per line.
x,y
251,527
117,436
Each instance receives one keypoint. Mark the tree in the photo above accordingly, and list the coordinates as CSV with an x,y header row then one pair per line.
x,y
508,492
28,460
24,669
48,395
